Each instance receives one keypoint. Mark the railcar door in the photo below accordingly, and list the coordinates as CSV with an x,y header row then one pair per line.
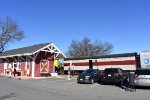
x,y
90,64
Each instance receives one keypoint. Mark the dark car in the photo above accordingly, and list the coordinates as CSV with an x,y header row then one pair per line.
x,y
89,76
114,75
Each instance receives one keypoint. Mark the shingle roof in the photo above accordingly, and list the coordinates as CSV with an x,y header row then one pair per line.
x,y
105,56
24,50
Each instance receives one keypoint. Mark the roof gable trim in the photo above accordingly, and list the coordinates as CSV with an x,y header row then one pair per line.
x,y
52,49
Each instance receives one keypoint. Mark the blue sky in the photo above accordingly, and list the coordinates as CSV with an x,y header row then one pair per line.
x,y
124,23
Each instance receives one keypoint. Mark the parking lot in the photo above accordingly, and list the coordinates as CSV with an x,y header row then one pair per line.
x,y
63,89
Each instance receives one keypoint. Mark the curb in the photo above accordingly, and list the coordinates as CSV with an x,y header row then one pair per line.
x,y
36,78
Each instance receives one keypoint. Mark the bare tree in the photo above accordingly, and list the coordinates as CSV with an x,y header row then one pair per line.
x,y
9,32
87,48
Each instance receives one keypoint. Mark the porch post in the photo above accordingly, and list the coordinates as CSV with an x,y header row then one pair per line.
x,y
54,65
33,64
33,67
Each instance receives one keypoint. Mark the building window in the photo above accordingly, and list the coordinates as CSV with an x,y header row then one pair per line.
x,y
27,63
19,63
9,66
12,66
15,65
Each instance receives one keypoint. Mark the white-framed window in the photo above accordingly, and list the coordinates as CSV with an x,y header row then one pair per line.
x,y
12,67
19,63
27,63
9,66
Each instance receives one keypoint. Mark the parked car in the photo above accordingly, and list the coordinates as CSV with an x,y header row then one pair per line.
x,y
142,77
114,75
89,76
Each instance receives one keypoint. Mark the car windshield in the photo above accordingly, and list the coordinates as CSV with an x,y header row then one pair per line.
x,y
111,71
90,71
143,72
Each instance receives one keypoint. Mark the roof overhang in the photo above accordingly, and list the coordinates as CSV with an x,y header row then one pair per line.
x,y
49,48
25,54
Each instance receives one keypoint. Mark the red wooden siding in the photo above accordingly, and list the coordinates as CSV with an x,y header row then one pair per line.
x,y
22,70
44,56
1,68
41,56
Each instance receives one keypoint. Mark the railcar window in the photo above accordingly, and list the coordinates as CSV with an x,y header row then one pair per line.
x,y
90,71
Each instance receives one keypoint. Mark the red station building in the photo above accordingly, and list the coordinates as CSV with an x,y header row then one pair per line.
x,y
32,61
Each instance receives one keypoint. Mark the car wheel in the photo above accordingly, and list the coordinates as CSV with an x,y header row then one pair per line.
x,y
99,81
78,82
125,81
103,83
92,81
120,83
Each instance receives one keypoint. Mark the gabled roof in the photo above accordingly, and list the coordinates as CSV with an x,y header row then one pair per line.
x,y
30,50
104,56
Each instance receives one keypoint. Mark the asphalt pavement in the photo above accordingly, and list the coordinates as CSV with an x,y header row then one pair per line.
x,y
63,89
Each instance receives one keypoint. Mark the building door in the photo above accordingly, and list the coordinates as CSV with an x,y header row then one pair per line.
x,y
44,67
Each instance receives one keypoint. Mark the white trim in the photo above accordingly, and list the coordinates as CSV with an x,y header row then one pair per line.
x,y
102,60
46,51
59,50
21,58
35,55
57,55
30,56
33,64
54,56
42,48
33,67
52,48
